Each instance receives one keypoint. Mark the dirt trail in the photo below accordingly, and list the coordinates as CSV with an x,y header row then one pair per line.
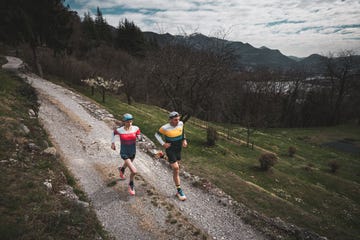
x,y
154,213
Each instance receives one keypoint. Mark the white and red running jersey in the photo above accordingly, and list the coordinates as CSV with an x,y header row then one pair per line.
x,y
127,140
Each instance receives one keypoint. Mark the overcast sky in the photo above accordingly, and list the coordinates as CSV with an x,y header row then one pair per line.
x,y
297,28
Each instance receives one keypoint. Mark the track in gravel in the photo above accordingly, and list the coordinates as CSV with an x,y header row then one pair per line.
x,y
154,213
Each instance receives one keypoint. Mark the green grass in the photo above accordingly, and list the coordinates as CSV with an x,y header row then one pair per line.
x,y
298,189
27,209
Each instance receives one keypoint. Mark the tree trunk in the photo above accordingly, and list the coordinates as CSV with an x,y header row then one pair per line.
x,y
338,103
36,61
185,117
103,95
248,137
128,98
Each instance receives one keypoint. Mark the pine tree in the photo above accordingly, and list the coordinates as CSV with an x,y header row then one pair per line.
x,y
37,23
102,29
88,26
130,38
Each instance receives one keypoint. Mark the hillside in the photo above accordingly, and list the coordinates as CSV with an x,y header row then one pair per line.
x,y
39,196
300,190
81,132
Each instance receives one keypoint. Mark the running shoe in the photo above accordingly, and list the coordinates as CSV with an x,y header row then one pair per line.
x,y
131,190
121,174
180,194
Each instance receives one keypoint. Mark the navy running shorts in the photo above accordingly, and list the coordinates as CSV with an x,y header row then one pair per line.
x,y
124,157
173,156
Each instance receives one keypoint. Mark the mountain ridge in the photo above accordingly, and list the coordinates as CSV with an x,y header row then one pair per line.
x,y
246,55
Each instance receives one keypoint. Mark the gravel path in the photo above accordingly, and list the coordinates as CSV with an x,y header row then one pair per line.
x,y
83,139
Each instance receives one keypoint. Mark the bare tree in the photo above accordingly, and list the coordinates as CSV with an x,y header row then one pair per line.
x,y
132,75
256,102
190,77
117,65
293,90
338,71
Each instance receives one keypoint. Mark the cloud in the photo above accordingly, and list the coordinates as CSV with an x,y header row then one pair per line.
x,y
299,28
285,21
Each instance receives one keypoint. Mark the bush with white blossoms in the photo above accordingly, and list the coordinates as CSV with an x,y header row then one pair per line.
x,y
103,84
100,82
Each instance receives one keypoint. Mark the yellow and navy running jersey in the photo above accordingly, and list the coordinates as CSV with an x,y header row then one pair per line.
x,y
174,135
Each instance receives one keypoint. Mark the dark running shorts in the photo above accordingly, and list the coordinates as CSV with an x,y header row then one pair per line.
x,y
173,156
124,157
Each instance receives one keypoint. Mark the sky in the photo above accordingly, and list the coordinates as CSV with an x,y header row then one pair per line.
x,y
296,28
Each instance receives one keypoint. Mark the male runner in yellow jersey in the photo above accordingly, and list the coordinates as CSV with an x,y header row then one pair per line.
x,y
174,141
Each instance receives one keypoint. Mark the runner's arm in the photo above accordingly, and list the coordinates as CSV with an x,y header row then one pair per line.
x,y
139,135
113,147
115,132
159,138
184,142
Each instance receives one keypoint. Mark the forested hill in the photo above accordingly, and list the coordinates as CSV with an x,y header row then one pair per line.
x,y
245,54
206,77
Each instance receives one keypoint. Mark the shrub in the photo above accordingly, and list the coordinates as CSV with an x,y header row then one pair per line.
x,y
334,166
292,151
309,167
267,160
64,66
29,93
212,136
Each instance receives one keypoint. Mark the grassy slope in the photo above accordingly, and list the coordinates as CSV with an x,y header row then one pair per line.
x,y
27,209
314,198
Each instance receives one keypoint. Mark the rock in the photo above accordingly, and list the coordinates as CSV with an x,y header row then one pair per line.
x,y
68,192
24,128
48,184
152,151
33,147
32,114
50,151
82,203
45,143
186,175
97,237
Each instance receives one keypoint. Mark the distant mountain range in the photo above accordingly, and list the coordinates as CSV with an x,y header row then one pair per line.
x,y
245,54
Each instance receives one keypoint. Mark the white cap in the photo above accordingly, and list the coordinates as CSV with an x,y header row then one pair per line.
x,y
174,114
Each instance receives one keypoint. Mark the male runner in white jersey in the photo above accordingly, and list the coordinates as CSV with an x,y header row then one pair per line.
x,y
174,141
